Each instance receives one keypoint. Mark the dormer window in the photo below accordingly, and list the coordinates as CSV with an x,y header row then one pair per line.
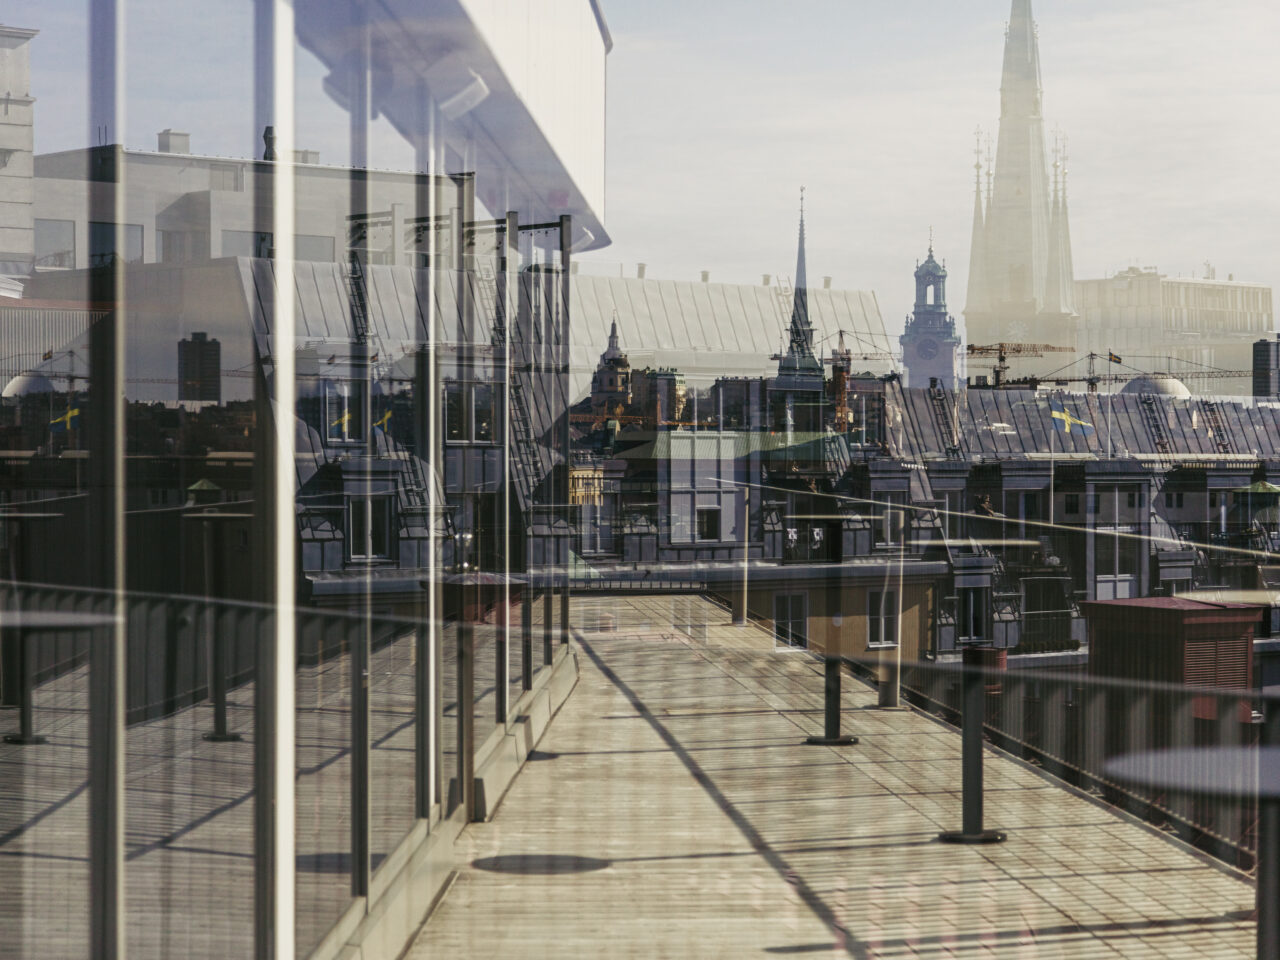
x,y
344,408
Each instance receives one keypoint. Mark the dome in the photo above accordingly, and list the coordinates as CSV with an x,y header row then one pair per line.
x,y
26,384
1157,384
931,267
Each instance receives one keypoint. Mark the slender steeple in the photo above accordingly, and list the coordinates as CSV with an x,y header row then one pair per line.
x,y
1068,267
801,328
976,296
1053,277
613,351
799,362
1059,283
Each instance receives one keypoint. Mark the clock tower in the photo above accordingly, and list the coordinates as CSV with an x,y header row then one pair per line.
x,y
930,347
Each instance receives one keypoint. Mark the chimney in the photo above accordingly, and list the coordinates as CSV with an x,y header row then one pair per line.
x,y
764,282
639,271
826,283
269,142
706,276
172,141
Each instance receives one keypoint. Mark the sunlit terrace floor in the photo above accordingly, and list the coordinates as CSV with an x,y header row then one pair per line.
x,y
672,811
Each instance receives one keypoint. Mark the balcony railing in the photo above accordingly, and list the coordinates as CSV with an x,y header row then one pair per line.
x,y
391,717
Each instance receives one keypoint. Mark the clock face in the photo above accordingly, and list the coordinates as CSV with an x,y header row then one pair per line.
x,y
927,349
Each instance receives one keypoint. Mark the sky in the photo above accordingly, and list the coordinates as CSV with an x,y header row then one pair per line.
x,y
720,110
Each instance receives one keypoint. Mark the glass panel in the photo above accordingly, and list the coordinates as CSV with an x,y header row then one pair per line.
x,y
55,243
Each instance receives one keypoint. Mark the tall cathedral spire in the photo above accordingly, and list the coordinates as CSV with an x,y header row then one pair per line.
x,y
1062,228
1020,273
1059,282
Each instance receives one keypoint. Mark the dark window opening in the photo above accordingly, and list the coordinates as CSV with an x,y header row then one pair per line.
x,y
709,523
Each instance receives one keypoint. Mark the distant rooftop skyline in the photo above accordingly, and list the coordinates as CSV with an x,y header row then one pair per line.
x,y
718,114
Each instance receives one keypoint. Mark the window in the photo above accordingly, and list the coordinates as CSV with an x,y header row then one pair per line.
x,y
369,528
709,523
249,243
246,243
482,408
971,614
454,413
790,619
344,410
1173,500
226,176
469,412
882,618
55,244
102,243
1071,503
318,249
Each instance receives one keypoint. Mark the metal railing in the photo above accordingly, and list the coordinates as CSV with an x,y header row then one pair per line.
x,y
1199,762
390,715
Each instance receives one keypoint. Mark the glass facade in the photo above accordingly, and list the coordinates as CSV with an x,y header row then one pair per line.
x,y
362,532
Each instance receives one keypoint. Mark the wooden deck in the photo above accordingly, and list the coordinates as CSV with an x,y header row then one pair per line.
x,y
673,812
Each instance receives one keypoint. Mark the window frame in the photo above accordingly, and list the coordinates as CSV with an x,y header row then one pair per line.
x,y
361,532
882,612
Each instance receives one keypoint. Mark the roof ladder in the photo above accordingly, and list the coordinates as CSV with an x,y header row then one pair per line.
x,y
1218,430
944,422
1155,423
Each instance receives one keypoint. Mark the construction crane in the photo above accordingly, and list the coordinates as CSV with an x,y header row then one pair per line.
x,y
1093,378
1003,351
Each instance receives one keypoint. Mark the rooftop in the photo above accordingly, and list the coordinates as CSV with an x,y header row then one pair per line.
x,y
674,811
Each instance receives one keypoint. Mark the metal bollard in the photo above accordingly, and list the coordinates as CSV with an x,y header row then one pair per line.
x,y
887,689
831,736
971,716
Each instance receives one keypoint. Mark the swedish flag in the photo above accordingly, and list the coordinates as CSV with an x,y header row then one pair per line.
x,y
382,421
1064,421
1112,358
69,420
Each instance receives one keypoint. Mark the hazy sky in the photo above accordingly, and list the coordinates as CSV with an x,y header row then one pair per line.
x,y
719,111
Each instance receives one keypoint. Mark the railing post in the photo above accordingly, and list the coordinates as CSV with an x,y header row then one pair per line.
x,y
424,721
831,736
21,640
973,706
358,633
106,793
1268,854
466,718
501,670
548,614
218,682
526,637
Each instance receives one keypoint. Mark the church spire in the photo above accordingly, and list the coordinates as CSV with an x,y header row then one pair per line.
x,y
1062,228
801,328
1018,216
976,294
